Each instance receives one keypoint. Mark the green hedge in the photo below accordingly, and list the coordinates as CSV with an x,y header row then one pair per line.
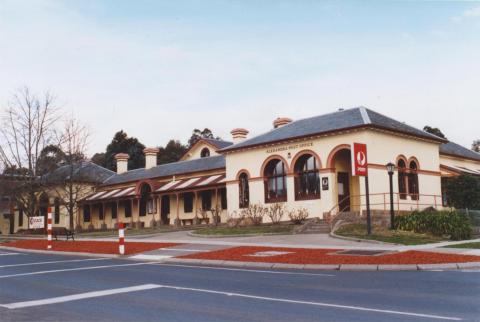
x,y
437,223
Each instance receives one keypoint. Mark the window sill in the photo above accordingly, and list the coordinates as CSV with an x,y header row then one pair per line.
x,y
310,197
276,200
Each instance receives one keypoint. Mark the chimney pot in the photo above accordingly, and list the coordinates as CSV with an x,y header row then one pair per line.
x,y
281,121
239,134
150,157
122,162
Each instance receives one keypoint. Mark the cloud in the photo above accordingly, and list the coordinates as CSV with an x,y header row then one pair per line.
x,y
467,14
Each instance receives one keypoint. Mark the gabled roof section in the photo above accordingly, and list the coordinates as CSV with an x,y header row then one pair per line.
x,y
85,171
169,169
219,144
454,149
358,117
212,143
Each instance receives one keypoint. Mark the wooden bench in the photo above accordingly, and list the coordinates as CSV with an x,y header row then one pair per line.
x,y
63,232
185,221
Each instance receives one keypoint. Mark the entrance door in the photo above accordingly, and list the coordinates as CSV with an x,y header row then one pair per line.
x,y
343,185
165,209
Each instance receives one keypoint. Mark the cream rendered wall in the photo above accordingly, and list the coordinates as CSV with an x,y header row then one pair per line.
x,y
386,148
382,148
252,160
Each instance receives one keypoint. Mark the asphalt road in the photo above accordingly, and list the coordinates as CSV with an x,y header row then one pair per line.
x,y
39,287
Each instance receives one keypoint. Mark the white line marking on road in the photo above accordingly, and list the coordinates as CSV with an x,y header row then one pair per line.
x,y
87,295
80,296
150,257
339,306
244,270
54,262
75,269
7,254
185,250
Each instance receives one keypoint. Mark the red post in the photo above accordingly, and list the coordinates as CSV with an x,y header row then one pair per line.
x,y
121,239
49,228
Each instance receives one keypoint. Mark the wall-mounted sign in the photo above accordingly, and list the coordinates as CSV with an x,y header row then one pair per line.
x,y
360,162
325,183
290,147
36,222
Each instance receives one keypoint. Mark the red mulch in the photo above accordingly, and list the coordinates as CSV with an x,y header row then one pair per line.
x,y
99,247
327,256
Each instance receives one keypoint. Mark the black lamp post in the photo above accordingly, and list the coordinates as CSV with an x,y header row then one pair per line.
x,y
390,169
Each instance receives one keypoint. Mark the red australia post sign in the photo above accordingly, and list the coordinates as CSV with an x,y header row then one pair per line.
x,y
359,162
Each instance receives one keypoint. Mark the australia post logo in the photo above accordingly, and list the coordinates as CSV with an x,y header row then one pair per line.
x,y
359,156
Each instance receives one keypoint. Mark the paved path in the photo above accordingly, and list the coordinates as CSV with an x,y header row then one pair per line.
x,y
45,287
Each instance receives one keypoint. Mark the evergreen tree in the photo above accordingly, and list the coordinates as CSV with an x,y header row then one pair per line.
x,y
121,143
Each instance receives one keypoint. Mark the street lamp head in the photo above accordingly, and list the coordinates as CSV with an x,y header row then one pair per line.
x,y
390,167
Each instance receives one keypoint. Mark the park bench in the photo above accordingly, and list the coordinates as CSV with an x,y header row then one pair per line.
x,y
185,221
63,232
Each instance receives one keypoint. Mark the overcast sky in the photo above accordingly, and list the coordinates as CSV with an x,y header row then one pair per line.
x,y
158,69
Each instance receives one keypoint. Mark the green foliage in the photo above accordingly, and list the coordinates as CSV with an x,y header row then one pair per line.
x,y
172,152
121,143
434,130
197,135
463,192
437,223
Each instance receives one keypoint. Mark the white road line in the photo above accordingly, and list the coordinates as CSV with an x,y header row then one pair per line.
x,y
185,250
75,269
243,270
150,257
54,262
7,254
338,306
87,295
80,296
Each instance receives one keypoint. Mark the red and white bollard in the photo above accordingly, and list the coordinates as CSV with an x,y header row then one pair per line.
x,y
49,228
121,239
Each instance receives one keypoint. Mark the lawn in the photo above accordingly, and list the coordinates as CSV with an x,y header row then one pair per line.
x,y
264,229
386,235
474,245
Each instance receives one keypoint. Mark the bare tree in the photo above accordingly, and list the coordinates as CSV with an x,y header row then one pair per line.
x,y
27,127
69,183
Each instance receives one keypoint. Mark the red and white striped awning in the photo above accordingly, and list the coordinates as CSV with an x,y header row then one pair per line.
x,y
192,183
111,194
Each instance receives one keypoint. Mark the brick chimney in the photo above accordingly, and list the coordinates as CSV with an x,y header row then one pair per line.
x,y
150,157
122,162
238,135
281,121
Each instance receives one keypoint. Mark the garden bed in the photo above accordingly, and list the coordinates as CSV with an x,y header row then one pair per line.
x,y
328,256
94,247
386,235
475,245
249,230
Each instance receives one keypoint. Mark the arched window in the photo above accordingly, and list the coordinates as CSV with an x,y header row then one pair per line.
x,y
402,179
413,180
275,181
205,153
243,190
307,179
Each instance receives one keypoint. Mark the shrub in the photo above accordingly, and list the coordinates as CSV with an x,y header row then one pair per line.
x,y
254,214
276,212
437,223
298,216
